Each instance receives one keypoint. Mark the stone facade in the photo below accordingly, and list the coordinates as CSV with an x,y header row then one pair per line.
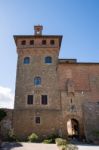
x,y
68,85
91,121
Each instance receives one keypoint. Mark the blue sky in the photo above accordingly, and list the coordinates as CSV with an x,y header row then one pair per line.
x,y
76,20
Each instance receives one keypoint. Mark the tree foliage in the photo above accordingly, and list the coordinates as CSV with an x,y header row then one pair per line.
x,y
2,114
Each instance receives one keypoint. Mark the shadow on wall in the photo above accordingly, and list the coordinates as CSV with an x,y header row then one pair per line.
x,y
9,146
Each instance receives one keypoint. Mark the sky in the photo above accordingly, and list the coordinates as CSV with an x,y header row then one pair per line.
x,y
76,20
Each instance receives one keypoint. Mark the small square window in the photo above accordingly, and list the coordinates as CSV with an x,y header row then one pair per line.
x,y
44,99
31,42
23,42
37,120
52,42
30,99
43,42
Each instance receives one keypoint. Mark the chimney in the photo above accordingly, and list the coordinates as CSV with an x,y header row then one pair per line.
x,y
38,30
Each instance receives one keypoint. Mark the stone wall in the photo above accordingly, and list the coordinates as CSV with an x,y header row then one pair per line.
x,y
78,84
91,121
37,67
7,123
24,122
85,77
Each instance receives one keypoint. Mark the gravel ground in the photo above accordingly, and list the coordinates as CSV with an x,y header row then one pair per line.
x,y
28,146
34,146
88,147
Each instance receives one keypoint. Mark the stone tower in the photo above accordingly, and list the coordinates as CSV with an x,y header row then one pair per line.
x,y
36,80
53,96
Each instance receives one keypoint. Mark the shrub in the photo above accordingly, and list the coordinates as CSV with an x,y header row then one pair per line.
x,y
48,141
71,147
96,133
11,136
68,147
63,147
33,137
60,141
2,114
95,136
52,137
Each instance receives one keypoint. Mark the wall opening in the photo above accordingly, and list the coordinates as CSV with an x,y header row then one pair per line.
x,y
73,128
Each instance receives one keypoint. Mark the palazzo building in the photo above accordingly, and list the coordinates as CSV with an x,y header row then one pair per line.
x,y
53,95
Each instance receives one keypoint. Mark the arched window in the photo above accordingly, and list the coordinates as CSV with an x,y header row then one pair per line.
x,y
48,60
37,81
26,60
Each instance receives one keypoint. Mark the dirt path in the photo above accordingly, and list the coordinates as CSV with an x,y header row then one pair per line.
x,y
39,146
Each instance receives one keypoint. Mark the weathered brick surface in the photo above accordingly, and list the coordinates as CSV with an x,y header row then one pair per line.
x,y
37,67
85,76
91,121
24,122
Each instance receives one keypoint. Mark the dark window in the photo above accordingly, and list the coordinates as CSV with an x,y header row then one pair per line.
x,y
30,99
26,60
48,60
23,42
52,42
37,81
44,99
31,42
43,42
37,120
98,103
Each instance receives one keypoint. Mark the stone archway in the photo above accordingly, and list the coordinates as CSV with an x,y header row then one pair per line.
x,y
73,128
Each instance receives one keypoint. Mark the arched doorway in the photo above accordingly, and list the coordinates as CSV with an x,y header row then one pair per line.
x,y
73,128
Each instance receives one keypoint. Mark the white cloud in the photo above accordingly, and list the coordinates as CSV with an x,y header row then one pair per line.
x,y
6,97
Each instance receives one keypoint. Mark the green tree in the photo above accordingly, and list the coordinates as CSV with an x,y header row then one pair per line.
x,y
2,114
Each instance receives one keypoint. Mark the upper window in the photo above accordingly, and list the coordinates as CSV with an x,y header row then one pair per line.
x,y
30,99
48,60
37,81
52,42
26,60
23,42
43,42
44,99
31,42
